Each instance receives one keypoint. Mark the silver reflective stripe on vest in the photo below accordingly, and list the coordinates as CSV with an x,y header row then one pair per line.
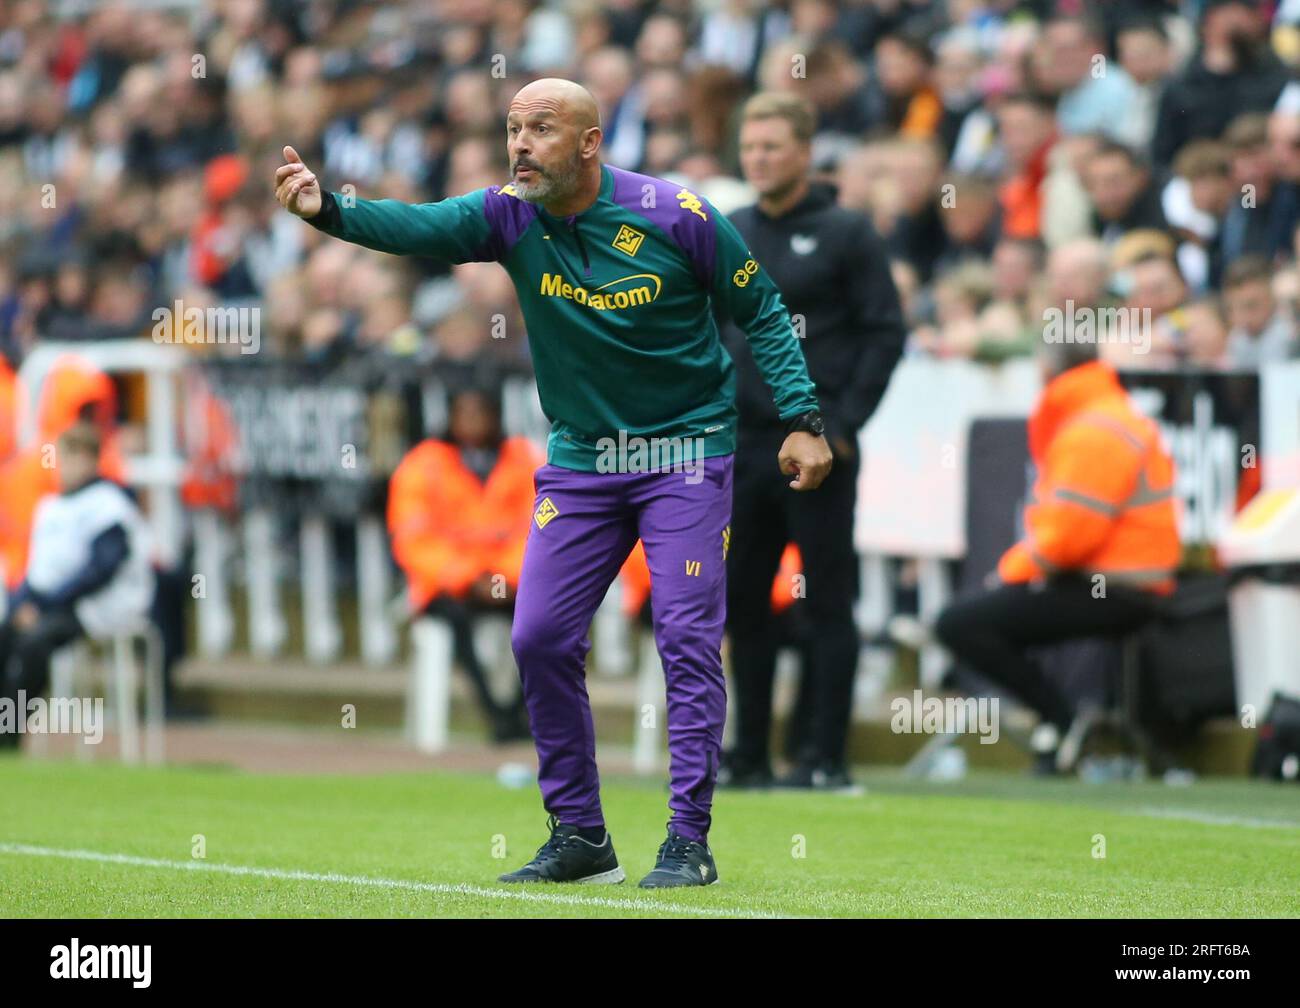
x,y
1145,493
1085,501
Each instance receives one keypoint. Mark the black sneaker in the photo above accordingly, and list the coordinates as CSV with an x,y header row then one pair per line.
x,y
681,862
566,857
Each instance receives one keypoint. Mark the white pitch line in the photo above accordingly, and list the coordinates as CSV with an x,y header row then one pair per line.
x,y
1213,819
290,875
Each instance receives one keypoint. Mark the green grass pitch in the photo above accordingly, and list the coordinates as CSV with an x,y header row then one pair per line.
x,y
103,840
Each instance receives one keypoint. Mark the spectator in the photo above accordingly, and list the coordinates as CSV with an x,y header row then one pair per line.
x,y
1027,127
910,211
1256,217
1094,94
1205,335
458,513
88,572
1016,262
1145,55
1122,192
1155,290
968,208
1102,514
1067,212
1260,330
956,79
1233,72
1194,201
1077,272
904,66
1284,148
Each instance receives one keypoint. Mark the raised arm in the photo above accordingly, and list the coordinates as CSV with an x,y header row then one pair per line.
x,y
453,230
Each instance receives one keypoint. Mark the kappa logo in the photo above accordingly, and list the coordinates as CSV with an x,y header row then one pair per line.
x,y
628,240
691,202
803,244
509,190
726,541
546,510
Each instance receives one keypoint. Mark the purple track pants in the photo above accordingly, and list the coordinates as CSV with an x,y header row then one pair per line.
x,y
584,526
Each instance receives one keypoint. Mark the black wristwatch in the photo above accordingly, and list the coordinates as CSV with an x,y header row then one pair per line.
x,y
811,422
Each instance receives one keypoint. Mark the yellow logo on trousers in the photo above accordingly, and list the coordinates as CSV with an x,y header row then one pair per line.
x,y
726,541
692,568
546,510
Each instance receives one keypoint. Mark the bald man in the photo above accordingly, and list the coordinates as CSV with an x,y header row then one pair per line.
x,y
617,276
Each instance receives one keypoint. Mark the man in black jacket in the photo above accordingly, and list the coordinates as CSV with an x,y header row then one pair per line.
x,y
833,274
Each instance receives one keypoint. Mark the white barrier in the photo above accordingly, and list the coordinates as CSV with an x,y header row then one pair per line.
x,y
911,504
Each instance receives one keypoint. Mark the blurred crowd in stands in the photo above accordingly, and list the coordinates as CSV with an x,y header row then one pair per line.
x,y
1014,155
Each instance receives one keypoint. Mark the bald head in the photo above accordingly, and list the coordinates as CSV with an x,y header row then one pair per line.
x,y
567,99
553,140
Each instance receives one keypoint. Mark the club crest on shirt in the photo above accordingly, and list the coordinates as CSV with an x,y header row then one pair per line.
x,y
546,510
803,244
628,240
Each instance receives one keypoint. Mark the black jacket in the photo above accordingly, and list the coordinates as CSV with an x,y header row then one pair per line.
x,y
1201,103
831,269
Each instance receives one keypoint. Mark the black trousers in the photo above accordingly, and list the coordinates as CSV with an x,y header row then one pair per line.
x,y
767,514
992,629
460,615
25,656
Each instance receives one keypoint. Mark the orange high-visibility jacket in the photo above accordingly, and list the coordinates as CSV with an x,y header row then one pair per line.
x,y
72,384
1103,502
210,441
448,528
8,410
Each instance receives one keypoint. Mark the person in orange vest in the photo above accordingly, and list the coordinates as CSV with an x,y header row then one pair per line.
x,y
458,514
73,390
89,572
9,392
1100,539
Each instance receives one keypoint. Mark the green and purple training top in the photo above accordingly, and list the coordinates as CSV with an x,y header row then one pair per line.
x,y
616,301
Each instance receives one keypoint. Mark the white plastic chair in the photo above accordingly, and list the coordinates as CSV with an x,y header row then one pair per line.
x,y
428,699
121,677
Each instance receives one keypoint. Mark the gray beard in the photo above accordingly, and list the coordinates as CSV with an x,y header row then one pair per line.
x,y
552,185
